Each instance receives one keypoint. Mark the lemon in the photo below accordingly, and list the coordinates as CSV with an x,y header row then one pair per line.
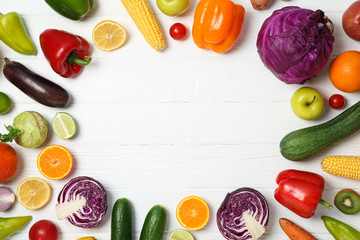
x,y
33,193
108,35
5,103
180,234
64,125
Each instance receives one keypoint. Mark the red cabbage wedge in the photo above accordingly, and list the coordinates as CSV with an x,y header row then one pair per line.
x,y
295,43
83,201
243,215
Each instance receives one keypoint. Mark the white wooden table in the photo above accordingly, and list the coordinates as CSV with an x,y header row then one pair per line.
x,y
158,127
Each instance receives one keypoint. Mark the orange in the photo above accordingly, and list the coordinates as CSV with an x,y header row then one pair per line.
x,y
344,72
54,162
193,213
108,35
33,193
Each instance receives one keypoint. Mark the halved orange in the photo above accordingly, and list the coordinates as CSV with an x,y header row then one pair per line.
x,y
33,193
108,35
54,162
193,213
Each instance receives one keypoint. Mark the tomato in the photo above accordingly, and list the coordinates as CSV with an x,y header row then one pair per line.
x,y
44,230
8,162
336,101
178,31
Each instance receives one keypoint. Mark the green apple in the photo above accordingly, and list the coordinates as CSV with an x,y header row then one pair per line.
x,y
173,7
307,103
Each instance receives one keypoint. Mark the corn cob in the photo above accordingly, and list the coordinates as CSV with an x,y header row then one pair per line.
x,y
343,166
144,18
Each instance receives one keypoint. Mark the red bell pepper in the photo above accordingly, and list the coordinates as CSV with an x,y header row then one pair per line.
x,y
300,191
67,53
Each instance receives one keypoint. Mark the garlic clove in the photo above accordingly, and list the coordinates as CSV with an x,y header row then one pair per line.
x,y
7,198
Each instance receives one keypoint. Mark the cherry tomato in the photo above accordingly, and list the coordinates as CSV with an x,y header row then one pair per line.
x,y
44,230
8,162
178,31
336,101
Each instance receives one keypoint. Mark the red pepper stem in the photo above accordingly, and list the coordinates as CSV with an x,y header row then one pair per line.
x,y
326,204
74,59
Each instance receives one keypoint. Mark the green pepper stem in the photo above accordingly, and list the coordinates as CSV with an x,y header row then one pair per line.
x,y
326,204
74,59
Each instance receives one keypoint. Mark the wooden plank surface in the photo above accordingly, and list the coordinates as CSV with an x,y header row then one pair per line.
x,y
157,127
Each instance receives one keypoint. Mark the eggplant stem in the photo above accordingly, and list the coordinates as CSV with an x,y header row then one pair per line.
x,y
7,61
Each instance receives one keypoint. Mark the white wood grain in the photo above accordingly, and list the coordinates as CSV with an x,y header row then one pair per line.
x,y
157,127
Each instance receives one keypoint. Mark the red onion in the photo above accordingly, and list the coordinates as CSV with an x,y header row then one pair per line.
x,y
7,198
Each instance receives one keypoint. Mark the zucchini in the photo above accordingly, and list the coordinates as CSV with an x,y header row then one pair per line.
x,y
304,143
154,224
121,220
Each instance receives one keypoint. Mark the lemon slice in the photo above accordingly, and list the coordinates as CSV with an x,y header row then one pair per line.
x,y
64,125
180,234
33,193
108,35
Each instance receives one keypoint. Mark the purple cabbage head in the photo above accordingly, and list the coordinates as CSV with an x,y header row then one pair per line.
x,y
295,43
83,201
244,214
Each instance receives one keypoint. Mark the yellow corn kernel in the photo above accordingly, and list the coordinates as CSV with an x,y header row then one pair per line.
x,y
144,18
343,166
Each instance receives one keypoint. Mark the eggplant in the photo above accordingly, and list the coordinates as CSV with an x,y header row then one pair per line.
x,y
35,86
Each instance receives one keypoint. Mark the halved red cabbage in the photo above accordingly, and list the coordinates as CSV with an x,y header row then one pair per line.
x,y
83,201
295,43
244,214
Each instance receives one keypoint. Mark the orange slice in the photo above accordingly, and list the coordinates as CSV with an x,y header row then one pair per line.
x,y
33,193
108,35
54,162
193,213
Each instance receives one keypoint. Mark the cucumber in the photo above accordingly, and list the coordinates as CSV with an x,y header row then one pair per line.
x,y
121,220
304,143
154,224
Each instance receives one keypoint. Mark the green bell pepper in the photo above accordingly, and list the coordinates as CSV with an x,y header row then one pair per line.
x,y
72,9
340,230
10,225
13,34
